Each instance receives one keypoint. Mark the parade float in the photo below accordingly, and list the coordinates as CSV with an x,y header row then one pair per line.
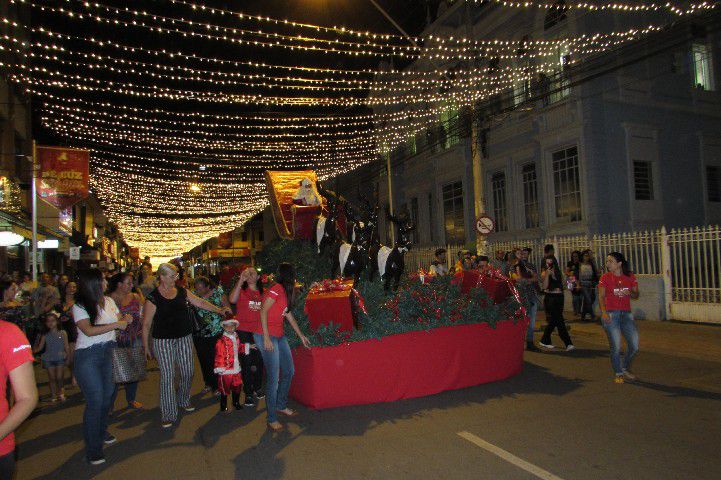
x,y
372,344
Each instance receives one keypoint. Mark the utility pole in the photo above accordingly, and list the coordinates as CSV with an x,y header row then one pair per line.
x,y
479,206
34,194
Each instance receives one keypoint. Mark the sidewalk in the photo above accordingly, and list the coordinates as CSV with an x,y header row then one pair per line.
x,y
689,340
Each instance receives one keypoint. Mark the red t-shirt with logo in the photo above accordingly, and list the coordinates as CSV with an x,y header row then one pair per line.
x,y
618,290
248,310
275,314
14,351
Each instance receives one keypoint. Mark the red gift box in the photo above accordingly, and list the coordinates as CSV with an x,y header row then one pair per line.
x,y
497,288
331,301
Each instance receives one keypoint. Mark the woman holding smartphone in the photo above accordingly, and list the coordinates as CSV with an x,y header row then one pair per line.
x,y
552,281
615,290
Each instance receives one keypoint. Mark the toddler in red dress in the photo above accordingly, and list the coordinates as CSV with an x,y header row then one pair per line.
x,y
227,364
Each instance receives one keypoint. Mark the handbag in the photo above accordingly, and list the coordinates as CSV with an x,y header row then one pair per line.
x,y
194,318
129,364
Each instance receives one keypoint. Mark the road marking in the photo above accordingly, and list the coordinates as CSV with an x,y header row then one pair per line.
x,y
509,457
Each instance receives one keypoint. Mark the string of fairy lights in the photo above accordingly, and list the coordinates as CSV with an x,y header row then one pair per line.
x,y
180,139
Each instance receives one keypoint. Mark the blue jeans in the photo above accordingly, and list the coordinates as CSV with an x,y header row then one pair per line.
x,y
279,372
577,298
531,312
131,391
621,323
94,372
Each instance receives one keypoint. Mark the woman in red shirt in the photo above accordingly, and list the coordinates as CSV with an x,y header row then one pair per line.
x,y
247,295
16,365
615,290
279,369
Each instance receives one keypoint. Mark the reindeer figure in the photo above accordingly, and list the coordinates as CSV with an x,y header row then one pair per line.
x,y
325,227
389,262
350,258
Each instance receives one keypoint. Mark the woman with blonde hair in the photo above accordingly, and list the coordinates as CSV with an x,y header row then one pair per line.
x,y
166,319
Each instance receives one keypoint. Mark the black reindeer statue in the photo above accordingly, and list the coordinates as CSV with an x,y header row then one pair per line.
x,y
350,258
325,227
389,262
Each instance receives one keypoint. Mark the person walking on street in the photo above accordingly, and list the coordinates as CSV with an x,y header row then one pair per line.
x,y
248,297
572,273
68,325
587,280
210,330
615,290
128,302
53,344
167,323
97,318
553,302
16,370
526,278
276,307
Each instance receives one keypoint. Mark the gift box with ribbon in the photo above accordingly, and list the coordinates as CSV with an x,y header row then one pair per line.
x,y
333,301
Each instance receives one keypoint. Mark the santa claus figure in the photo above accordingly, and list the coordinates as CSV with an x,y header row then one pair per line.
x,y
227,364
306,194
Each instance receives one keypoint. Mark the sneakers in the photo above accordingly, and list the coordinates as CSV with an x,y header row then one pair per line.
x,y
259,395
249,402
166,424
96,460
628,375
189,409
109,439
546,345
135,405
570,348
618,379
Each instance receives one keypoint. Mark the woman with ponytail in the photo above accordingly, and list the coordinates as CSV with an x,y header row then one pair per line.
x,y
269,335
615,290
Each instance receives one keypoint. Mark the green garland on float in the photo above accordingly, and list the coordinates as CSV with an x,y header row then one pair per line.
x,y
416,306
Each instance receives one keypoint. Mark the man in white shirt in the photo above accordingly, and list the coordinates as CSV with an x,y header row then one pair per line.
x,y
439,265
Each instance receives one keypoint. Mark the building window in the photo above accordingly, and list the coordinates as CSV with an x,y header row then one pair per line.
x,y
530,195
643,180
498,189
567,185
431,223
713,184
449,128
453,213
702,67
560,83
556,14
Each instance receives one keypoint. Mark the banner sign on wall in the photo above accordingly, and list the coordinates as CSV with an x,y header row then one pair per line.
x,y
63,175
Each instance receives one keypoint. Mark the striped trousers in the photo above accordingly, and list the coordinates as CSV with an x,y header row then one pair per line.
x,y
172,353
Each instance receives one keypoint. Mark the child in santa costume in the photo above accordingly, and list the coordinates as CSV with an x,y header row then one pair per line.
x,y
227,364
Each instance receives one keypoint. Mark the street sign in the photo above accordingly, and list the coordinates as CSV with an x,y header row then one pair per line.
x,y
485,225
74,253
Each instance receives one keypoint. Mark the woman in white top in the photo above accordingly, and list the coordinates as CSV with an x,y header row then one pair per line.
x,y
97,318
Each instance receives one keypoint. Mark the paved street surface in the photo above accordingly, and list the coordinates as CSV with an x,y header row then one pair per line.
x,y
563,417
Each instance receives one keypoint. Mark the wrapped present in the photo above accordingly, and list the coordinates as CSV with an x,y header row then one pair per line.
x,y
497,286
333,301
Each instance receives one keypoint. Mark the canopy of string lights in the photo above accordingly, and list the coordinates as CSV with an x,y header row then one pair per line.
x,y
184,106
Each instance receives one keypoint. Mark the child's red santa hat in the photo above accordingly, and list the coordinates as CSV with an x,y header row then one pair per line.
x,y
228,321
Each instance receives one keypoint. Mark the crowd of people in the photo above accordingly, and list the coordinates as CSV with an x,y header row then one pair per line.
x,y
546,286
76,326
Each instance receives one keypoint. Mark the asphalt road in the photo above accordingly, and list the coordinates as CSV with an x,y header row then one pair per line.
x,y
562,417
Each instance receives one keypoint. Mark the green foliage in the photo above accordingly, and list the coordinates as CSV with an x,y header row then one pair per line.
x,y
416,306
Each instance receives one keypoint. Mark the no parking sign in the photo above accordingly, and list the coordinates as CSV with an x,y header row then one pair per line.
x,y
485,225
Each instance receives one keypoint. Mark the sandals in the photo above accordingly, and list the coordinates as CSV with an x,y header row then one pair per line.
x,y
288,412
276,427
